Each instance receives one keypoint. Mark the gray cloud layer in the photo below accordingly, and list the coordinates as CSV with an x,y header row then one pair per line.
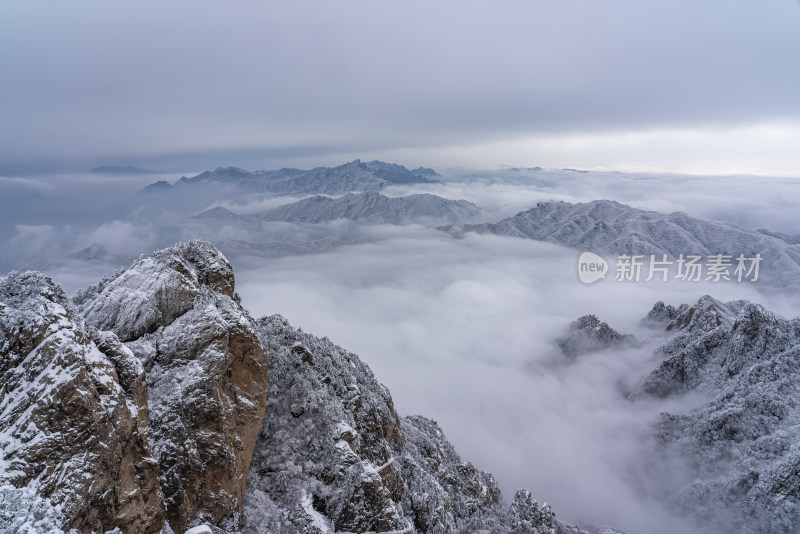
x,y
460,330
190,82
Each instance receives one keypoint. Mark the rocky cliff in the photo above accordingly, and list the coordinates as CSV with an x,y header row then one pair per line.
x,y
734,460
333,455
73,419
729,460
138,406
138,402
206,374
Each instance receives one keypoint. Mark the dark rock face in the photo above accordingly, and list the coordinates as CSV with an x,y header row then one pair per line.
x,y
206,374
734,460
333,455
73,418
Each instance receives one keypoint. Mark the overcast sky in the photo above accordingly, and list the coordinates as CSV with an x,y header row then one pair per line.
x,y
679,85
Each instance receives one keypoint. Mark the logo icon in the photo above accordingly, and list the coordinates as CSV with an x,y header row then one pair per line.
x,y
591,268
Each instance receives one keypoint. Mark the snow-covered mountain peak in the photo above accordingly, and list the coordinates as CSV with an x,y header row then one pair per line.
x,y
156,289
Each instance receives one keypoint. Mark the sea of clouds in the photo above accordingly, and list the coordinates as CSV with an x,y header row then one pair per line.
x,y
460,330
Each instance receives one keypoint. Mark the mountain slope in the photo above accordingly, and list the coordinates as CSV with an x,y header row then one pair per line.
x,y
369,206
605,226
163,203
353,176
741,449
333,455
731,463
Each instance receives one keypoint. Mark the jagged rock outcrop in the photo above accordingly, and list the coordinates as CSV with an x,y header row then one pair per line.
x,y
156,290
662,314
73,419
205,369
732,464
589,334
702,330
333,455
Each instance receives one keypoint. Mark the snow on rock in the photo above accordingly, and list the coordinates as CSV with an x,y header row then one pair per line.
x,y
22,511
589,334
662,314
334,456
353,176
327,428
700,330
731,460
73,419
732,463
206,374
156,289
100,434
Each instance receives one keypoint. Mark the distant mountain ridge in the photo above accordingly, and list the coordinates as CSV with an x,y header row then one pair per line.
x,y
164,202
350,177
371,206
606,226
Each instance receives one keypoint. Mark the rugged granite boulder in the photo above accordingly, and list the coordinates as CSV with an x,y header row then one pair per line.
x,y
206,374
732,463
73,420
334,456
156,290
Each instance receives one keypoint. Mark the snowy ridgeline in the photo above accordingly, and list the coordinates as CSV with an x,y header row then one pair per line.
x,y
371,207
162,201
613,229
